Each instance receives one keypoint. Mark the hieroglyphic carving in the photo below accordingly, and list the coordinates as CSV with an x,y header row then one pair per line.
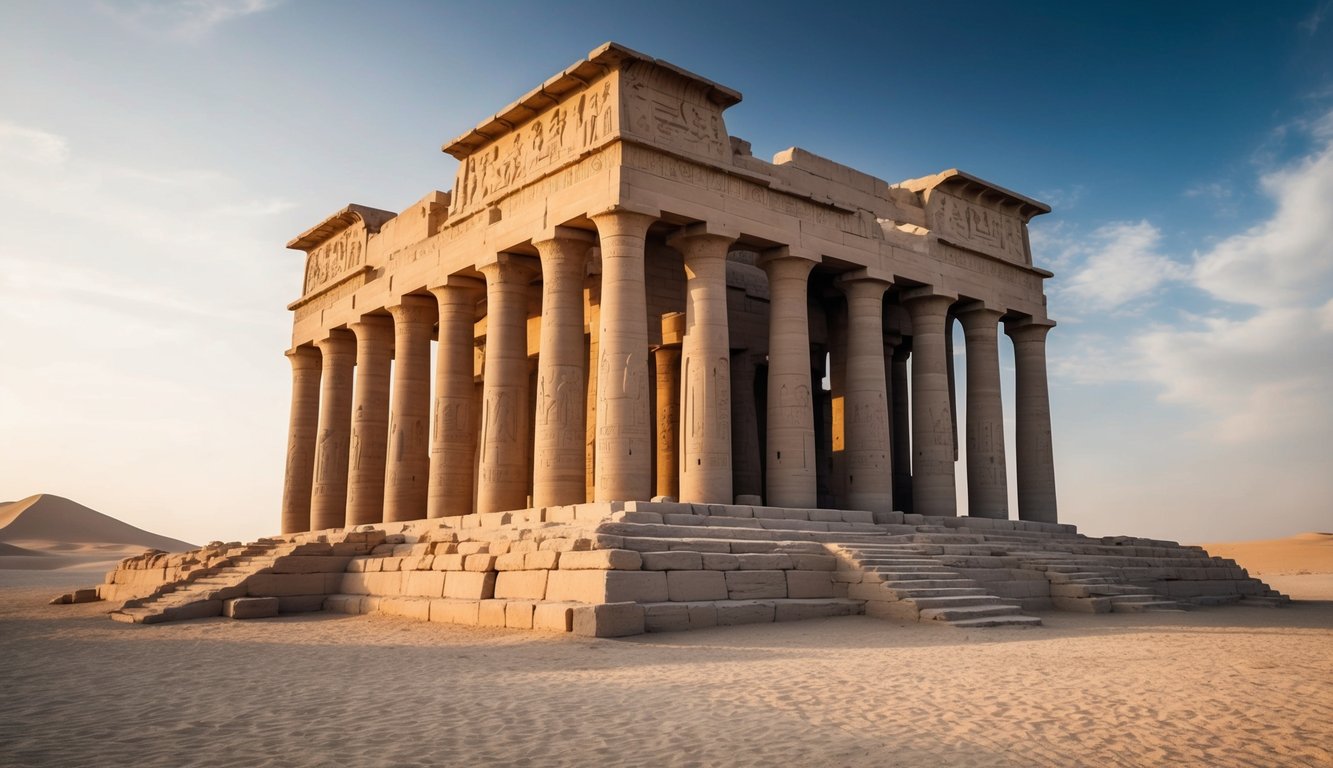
x,y
974,226
342,254
1027,282
665,109
559,135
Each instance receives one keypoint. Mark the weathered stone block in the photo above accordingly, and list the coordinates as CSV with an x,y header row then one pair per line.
x,y
702,615
620,619
718,561
469,585
510,561
479,562
553,617
518,614
537,560
250,607
492,613
689,586
526,585
601,559
666,617
672,561
755,585
448,562
814,562
278,584
798,610
454,611
809,584
416,608
310,564
424,583
732,612
606,586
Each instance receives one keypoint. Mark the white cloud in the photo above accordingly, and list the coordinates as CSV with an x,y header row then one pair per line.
x,y
1123,264
1287,259
28,145
185,19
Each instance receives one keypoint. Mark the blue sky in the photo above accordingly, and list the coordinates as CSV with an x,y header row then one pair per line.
x,y
155,157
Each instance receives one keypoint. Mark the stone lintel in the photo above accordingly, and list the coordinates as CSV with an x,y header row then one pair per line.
x,y
323,289
600,61
725,230
972,305
319,234
976,189
923,291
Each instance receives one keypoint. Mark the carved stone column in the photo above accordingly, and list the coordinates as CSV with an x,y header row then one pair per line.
x,y
408,467
559,453
1032,405
987,480
503,484
933,490
705,373
902,427
592,295
624,425
453,451
667,359
328,499
370,420
866,461
304,426
790,467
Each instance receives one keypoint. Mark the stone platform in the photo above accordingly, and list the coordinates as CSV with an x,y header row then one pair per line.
x,y
612,569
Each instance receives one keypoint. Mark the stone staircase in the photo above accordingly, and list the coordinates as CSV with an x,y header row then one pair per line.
x,y
900,581
203,594
1075,586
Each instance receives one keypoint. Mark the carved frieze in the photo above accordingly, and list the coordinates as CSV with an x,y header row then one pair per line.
x,y
665,109
343,254
969,225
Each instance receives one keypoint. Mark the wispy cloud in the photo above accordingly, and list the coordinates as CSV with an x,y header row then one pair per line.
x,y
1122,264
183,19
1310,24
30,145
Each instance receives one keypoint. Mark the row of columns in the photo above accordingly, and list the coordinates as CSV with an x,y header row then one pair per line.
x,y
357,455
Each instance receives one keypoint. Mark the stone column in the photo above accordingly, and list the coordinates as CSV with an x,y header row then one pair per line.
x,y
409,416
301,435
453,450
503,484
987,481
1032,406
933,490
328,499
705,370
866,461
559,453
624,431
592,295
667,359
790,475
836,468
902,427
370,420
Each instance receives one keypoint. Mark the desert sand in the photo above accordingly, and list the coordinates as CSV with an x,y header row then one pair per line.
x,y
1236,686
49,532
1300,566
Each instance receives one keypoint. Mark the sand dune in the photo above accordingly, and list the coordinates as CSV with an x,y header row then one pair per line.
x,y
46,532
1304,553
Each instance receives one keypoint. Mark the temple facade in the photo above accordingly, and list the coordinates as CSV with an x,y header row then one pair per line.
x,y
617,301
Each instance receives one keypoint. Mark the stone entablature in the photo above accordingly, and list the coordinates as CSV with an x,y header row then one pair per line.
x,y
618,290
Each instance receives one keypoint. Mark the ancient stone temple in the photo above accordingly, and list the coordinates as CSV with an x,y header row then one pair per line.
x,y
625,303
625,376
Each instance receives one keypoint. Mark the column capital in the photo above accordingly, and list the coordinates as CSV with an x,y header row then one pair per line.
x,y
304,358
785,253
923,292
1028,329
462,282
624,221
977,316
861,283
510,267
413,308
339,341
371,324
703,230
564,234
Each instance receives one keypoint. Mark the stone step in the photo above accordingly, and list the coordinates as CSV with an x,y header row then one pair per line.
x,y
894,575
1014,620
1083,604
968,612
962,601
1143,606
901,584
915,594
